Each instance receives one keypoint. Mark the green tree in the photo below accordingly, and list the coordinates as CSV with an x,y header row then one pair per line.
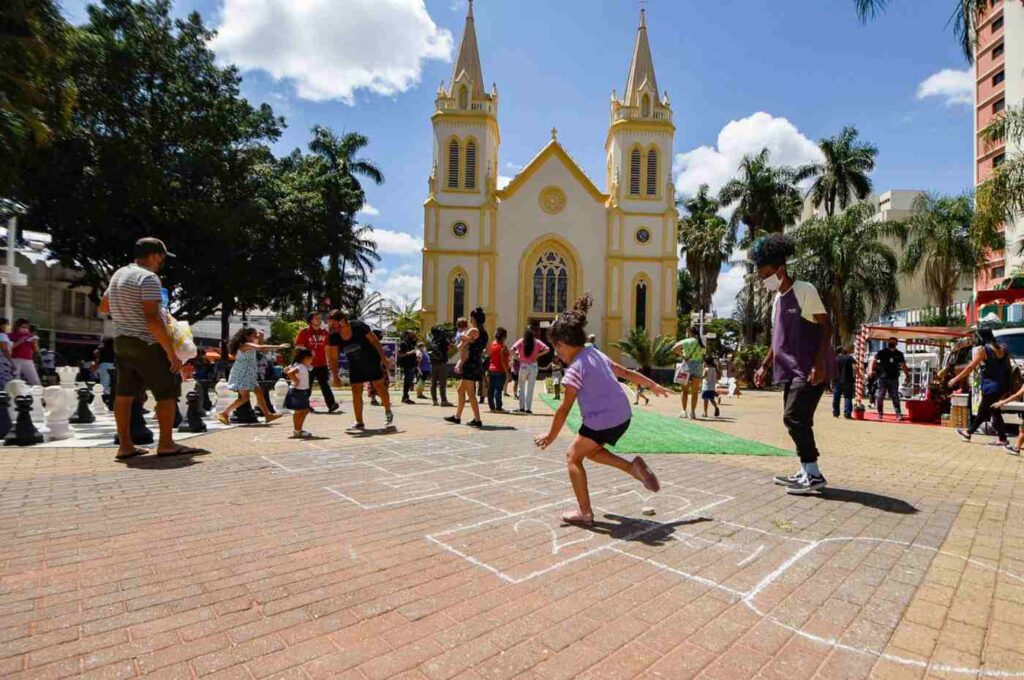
x,y
36,94
940,244
964,19
405,316
706,241
843,174
646,352
847,259
728,333
684,301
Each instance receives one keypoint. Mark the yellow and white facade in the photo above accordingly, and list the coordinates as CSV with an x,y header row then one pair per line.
x,y
525,252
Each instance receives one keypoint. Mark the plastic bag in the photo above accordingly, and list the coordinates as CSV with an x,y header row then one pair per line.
x,y
181,338
682,373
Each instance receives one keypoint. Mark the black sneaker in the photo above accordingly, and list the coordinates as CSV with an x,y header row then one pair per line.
x,y
475,423
389,417
1012,450
786,480
447,404
333,407
453,419
964,434
806,485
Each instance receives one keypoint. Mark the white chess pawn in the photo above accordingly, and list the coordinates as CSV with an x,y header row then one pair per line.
x,y
57,412
38,417
223,394
98,405
280,392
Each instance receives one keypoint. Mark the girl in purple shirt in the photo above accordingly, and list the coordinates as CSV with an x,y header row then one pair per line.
x,y
591,377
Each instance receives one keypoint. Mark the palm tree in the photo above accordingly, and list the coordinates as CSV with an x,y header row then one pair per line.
x,y
1000,198
645,351
964,19
369,307
343,194
941,245
766,199
846,258
358,249
706,240
843,174
405,316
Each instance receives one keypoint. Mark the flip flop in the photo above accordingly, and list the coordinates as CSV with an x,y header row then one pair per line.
x,y
578,518
134,454
183,451
647,478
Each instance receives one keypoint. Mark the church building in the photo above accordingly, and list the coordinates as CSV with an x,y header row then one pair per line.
x,y
526,251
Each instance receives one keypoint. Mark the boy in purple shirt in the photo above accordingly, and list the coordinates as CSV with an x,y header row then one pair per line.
x,y
799,355
590,376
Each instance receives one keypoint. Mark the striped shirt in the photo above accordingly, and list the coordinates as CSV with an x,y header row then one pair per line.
x,y
130,286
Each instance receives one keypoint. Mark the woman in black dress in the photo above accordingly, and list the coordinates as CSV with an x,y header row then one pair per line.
x,y
367,362
471,351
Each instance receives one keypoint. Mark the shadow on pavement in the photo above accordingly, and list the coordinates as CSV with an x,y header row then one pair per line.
x,y
871,500
160,462
641,530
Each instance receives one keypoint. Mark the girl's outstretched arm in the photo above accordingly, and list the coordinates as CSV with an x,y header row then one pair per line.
x,y
544,440
639,379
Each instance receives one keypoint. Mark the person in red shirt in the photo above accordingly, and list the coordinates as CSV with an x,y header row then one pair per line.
x,y
314,338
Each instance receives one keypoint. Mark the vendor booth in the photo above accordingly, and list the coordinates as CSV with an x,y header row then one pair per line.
x,y
919,410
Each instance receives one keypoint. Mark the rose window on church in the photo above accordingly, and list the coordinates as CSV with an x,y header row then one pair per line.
x,y
643,235
460,229
550,284
552,200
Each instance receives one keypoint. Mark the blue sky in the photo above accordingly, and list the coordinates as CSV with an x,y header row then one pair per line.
x,y
808,68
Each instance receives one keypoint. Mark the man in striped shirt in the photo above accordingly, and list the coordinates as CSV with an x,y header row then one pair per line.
x,y
144,353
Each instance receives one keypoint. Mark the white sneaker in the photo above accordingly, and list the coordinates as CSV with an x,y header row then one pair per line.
x,y
682,414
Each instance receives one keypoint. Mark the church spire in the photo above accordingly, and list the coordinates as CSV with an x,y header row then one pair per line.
x,y
641,68
469,59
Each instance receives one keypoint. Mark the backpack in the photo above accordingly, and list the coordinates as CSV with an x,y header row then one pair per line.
x,y
438,348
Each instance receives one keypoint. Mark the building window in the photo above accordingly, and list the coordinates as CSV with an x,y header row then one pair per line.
x,y
999,77
463,97
999,105
471,165
998,160
997,24
998,50
998,272
550,284
640,308
652,172
80,306
634,172
458,298
67,302
453,164
645,106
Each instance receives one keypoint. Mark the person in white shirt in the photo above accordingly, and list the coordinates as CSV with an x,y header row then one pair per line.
x,y
297,398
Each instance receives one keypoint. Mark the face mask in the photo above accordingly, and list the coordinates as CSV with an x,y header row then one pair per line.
x,y
773,282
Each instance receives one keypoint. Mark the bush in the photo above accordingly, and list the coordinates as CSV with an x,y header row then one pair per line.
x,y
748,359
283,332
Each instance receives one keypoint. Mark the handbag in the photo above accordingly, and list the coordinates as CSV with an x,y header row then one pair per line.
x,y
682,373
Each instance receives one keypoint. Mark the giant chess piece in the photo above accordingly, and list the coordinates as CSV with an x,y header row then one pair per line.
x,y
184,389
280,392
5,413
25,432
38,417
57,408
221,395
67,375
194,416
15,388
101,405
141,434
84,414
244,414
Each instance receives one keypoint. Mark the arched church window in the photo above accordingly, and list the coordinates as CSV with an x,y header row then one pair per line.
x,y
634,172
463,97
640,307
550,284
458,298
453,164
471,165
645,106
652,172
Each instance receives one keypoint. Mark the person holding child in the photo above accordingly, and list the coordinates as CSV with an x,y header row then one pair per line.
x,y
472,343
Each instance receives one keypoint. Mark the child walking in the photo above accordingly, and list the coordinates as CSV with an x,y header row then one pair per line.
x,y
424,369
557,371
799,355
243,377
640,390
590,376
709,393
297,398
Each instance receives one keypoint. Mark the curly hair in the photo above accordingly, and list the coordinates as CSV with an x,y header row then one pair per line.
x,y
568,327
772,250
239,339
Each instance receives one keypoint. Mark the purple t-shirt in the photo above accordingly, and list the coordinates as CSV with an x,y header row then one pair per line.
x,y
796,336
602,401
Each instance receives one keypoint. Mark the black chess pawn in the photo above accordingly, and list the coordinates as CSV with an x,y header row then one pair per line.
x,y
83,415
5,413
244,415
25,432
141,434
194,415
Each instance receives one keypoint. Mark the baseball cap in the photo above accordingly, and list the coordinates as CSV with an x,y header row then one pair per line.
x,y
151,246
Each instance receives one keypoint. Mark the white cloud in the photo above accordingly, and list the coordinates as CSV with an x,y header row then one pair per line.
x,y
403,284
331,49
956,87
368,209
716,166
503,181
396,242
730,283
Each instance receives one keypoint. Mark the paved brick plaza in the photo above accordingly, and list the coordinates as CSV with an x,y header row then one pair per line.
x,y
437,552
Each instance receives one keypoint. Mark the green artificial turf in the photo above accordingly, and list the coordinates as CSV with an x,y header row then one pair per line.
x,y
655,433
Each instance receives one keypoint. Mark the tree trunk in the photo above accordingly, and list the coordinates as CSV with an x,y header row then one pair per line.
x,y
226,307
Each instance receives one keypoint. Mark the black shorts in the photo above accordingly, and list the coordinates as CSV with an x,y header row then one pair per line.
x,y
607,437
141,366
365,372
